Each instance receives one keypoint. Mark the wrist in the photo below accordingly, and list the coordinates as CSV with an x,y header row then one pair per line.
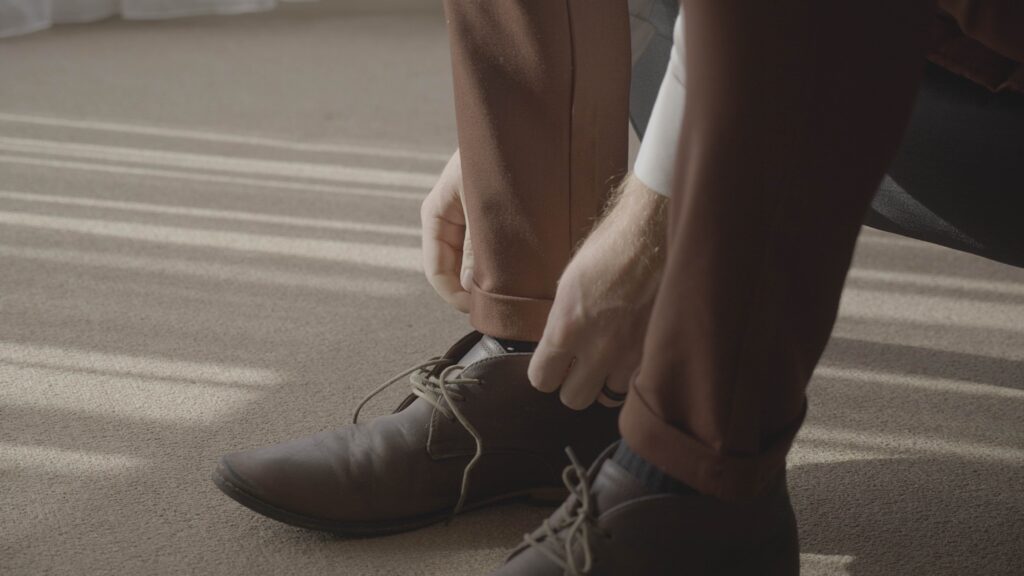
x,y
624,255
635,224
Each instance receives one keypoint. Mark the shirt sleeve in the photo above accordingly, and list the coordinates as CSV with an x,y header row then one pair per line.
x,y
656,159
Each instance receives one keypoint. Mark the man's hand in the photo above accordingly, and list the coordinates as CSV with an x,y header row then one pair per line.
x,y
447,251
595,331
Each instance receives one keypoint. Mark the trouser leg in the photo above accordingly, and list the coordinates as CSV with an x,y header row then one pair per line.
x,y
541,95
794,110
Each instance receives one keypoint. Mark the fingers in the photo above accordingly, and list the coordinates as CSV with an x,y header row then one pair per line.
x,y
442,261
443,220
449,289
618,382
579,369
621,375
578,378
562,359
584,382
579,381
549,367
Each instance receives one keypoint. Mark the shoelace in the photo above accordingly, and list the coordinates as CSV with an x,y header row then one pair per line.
x,y
578,524
434,389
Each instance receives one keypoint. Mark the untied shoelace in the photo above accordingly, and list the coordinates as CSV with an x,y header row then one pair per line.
x,y
576,526
433,389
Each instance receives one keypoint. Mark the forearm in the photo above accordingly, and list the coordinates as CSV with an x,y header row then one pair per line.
x,y
628,242
636,218
597,322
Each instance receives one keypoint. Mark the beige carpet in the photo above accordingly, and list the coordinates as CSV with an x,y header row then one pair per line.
x,y
208,240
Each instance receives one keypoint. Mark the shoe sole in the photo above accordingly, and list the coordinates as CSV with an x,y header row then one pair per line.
x,y
227,481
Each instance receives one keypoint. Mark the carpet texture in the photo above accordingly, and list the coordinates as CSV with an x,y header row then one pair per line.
x,y
209,241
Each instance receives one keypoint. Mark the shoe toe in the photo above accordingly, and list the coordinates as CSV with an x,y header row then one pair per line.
x,y
529,563
287,478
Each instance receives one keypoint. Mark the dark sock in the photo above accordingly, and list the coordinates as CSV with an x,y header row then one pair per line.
x,y
517,345
650,475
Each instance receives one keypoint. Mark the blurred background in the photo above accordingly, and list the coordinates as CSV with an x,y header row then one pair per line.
x,y
209,240
19,17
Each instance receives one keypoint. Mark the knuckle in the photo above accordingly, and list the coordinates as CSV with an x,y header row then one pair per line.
x,y
560,336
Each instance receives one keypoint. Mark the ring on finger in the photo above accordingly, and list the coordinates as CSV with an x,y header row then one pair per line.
x,y
612,394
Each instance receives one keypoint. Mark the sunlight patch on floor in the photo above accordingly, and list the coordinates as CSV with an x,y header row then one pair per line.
x,y
940,311
938,280
60,461
919,338
825,565
108,393
910,444
221,137
825,373
362,253
874,237
261,183
217,271
215,162
63,358
232,215
806,453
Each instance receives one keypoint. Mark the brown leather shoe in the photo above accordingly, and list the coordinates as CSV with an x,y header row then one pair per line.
x,y
465,438
612,525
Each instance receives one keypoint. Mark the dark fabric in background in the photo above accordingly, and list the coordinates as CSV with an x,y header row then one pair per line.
x,y
649,69
958,179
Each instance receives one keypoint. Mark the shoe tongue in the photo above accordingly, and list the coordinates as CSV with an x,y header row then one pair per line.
x,y
615,485
486,347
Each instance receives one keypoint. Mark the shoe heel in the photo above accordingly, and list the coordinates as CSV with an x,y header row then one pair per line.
x,y
547,496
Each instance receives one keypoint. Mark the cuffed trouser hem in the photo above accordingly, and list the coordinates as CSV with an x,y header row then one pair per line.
x,y
685,458
508,317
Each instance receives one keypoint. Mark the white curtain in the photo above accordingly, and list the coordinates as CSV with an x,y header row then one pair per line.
x,y
24,16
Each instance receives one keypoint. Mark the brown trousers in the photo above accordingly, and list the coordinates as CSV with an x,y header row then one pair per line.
x,y
794,110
